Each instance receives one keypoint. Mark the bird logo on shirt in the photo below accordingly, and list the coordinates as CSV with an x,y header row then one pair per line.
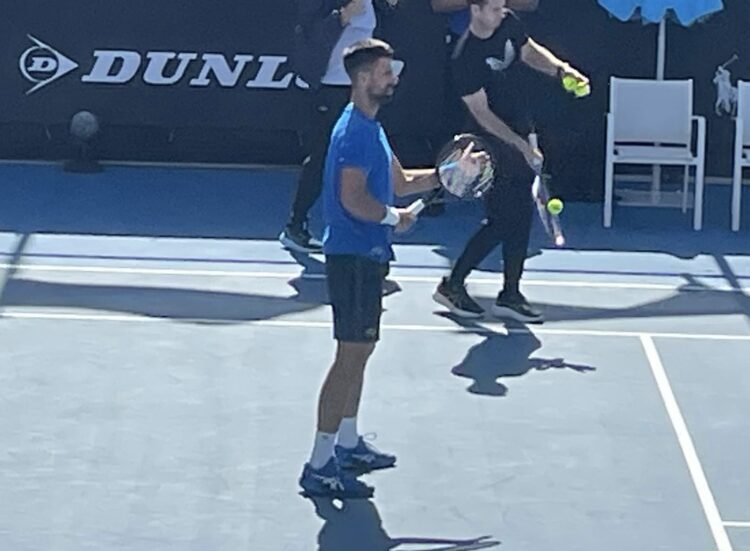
x,y
499,65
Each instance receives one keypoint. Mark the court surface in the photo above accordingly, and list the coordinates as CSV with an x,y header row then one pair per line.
x,y
161,355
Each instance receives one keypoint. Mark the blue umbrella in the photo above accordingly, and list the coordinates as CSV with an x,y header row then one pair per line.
x,y
685,12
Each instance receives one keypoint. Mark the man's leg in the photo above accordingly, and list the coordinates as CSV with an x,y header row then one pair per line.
x,y
451,291
513,218
326,107
342,388
355,293
322,476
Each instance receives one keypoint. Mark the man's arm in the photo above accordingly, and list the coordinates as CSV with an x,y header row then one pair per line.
x,y
358,201
541,59
480,109
445,6
413,180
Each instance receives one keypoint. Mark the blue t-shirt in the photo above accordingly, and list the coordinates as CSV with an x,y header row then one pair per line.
x,y
357,141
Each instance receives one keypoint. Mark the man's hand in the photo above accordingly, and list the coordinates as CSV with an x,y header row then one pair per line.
x,y
405,222
470,163
355,7
533,156
569,71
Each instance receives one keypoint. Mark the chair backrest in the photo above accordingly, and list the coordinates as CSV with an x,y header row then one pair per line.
x,y
651,111
743,109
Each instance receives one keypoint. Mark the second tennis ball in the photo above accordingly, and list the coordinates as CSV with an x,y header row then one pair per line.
x,y
573,85
555,206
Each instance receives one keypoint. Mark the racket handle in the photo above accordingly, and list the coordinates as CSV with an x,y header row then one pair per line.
x,y
416,207
534,140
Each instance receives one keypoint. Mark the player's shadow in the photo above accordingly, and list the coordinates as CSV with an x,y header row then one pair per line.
x,y
356,525
502,356
187,304
690,300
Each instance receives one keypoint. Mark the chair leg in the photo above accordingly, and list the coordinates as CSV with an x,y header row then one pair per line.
x,y
609,172
698,210
685,189
736,194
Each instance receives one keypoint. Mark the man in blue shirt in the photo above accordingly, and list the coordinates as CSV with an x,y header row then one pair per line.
x,y
361,177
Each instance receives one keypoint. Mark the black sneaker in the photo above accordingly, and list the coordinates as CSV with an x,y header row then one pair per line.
x,y
515,306
457,300
298,239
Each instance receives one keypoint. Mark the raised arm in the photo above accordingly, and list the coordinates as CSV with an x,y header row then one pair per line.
x,y
543,60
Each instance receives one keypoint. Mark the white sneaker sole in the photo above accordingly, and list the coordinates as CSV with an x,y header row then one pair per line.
x,y
293,246
509,313
443,301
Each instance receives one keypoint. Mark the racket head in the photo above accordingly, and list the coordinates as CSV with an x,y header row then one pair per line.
x,y
456,181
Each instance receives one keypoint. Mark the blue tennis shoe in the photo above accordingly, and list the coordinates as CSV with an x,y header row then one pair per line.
x,y
332,481
363,458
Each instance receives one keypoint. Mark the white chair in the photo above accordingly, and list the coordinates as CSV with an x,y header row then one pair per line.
x,y
741,148
651,123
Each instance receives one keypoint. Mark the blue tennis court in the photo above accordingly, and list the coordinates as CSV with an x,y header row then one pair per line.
x,y
161,355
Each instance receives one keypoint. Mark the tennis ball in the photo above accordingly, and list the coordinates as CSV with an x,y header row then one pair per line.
x,y
555,206
582,90
569,83
573,85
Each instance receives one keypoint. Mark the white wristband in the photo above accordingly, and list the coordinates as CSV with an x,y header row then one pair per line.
x,y
391,217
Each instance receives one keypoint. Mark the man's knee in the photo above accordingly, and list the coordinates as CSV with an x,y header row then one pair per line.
x,y
354,355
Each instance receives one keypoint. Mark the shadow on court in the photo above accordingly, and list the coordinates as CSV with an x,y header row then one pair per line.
x,y
501,356
166,302
691,299
356,524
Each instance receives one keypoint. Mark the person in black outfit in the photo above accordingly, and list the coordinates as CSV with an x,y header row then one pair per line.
x,y
483,65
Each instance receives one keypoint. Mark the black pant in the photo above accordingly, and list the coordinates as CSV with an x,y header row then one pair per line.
x,y
325,107
509,207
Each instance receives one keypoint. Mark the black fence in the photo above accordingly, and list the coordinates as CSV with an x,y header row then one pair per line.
x,y
182,80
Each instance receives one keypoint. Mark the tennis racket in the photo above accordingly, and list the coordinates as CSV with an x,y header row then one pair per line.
x,y
465,168
539,191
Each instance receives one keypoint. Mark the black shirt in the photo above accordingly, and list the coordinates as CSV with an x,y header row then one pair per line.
x,y
494,64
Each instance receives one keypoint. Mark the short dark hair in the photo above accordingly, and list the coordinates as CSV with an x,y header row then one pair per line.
x,y
479,3
362,54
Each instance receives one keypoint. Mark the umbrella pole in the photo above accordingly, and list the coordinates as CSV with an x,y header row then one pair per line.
x,y
661,43
661,48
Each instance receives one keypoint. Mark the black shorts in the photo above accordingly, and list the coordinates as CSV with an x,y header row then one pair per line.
x,y
355,290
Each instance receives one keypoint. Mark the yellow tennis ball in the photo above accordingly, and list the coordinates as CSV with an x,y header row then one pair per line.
x,y
582,90
570,83
576,87
555,206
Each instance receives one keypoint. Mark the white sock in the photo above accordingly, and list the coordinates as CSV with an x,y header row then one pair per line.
x,y
348,435
323,449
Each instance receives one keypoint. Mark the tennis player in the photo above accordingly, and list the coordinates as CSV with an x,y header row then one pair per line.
x,y
324,29
361,177
483,65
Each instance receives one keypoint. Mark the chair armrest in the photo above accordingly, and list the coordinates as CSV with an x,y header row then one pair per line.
x,y
701,134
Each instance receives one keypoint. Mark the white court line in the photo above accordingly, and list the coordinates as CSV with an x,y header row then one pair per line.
x,y
415,279
498,328
686,443
736,524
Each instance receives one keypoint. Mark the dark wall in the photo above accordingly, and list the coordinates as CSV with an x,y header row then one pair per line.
x,y
232,122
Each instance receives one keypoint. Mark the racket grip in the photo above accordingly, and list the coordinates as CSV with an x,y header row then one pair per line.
x,y
416,207
534,140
